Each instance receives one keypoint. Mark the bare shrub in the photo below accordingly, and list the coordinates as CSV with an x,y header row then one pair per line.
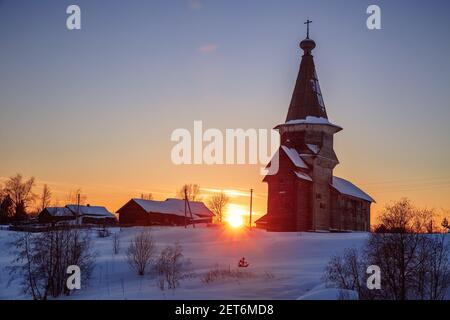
x,y
170,266
346,271
220,273
141,252
42,259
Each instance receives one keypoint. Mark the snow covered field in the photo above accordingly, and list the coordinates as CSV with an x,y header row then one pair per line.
x,y
282,265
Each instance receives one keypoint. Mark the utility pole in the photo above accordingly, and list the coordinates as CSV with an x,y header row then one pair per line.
x,y
78,209
186,204
251,203
185,208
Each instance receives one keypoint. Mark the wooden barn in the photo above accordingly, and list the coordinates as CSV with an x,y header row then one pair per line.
x,y
171,212
86,215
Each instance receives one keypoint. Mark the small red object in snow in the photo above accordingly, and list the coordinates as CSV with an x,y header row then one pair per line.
x,y
243,263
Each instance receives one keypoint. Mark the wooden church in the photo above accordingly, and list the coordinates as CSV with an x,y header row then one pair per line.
x,y
304,195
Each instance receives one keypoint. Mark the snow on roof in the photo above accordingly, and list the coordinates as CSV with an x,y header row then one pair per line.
x,y
174,206
91,211
295,157
313,147
348,188
303,176
59,212
312,120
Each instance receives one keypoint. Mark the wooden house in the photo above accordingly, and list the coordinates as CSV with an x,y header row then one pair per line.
x,y
171,212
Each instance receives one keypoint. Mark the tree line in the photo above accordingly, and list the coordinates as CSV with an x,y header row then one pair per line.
x,y
19,201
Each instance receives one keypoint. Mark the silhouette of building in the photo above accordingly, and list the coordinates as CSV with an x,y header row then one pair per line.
x,y
304,195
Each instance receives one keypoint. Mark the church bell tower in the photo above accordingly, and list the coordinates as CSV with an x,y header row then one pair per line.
x,y
299,194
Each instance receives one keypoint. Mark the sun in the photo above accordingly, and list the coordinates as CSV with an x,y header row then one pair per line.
x,y
235,220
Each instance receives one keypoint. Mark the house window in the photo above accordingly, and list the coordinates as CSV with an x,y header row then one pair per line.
x,y
322,205
318,196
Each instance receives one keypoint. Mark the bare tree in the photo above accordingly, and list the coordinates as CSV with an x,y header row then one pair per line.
x,y
445,225
45,198
72,197
6,209
147,196
169,266
21,194
2,193
42,259
218,203
141,252
192,191
414,265
424,220
403,217
346,271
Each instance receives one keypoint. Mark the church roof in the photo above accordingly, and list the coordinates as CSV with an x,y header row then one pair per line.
x,y
313,147
307,97
294,156
303,176
312,120
346,187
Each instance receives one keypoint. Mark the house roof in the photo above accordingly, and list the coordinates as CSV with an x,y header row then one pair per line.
x,y
346,187
59,211
174,207
94,211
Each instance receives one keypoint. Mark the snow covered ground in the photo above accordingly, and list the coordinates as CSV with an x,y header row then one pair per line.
x,y
282,265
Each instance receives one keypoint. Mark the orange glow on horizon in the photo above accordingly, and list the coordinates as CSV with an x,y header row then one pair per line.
x,y
235,215
235,220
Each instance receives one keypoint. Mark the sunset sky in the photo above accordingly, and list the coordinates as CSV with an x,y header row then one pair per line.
x,y
94,109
